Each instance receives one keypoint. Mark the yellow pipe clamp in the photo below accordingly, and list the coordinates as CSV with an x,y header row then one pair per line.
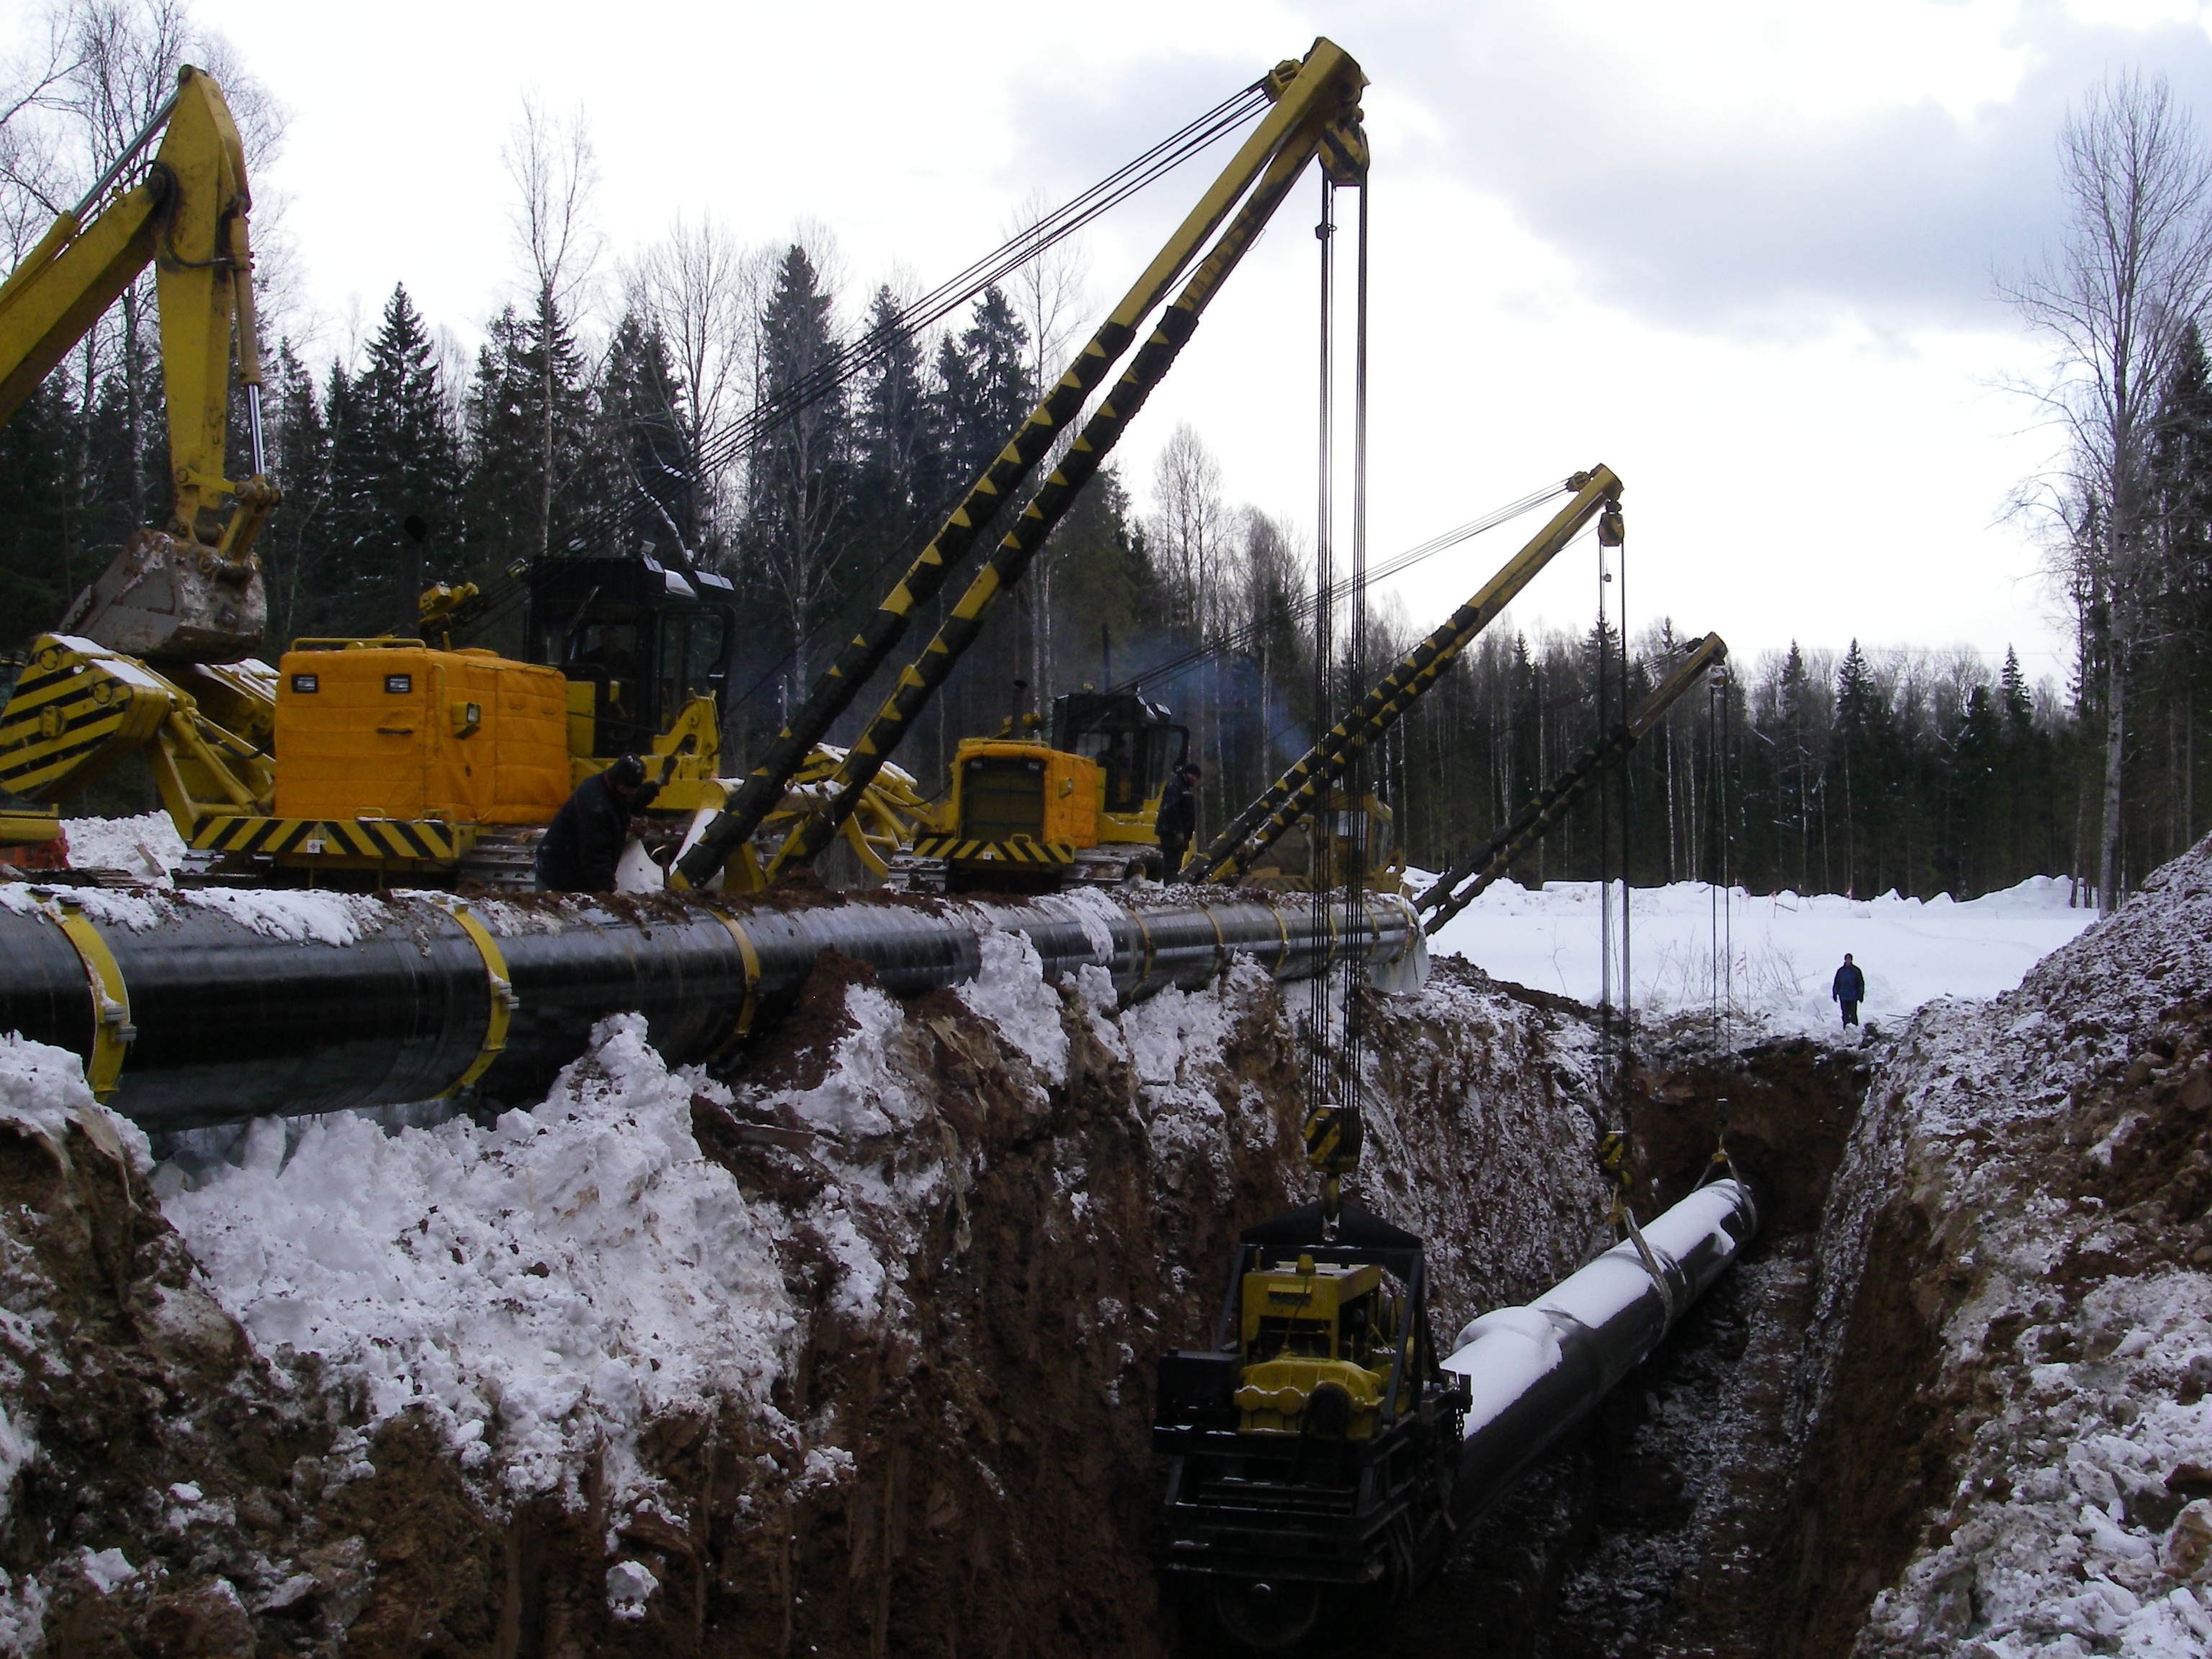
x,y
504,1002
111,1029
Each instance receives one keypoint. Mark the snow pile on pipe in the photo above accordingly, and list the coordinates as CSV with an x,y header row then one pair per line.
x,y
2038,1168
146,848
296,916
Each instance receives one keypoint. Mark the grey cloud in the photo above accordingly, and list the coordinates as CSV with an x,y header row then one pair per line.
x,y
1707,221
1723,223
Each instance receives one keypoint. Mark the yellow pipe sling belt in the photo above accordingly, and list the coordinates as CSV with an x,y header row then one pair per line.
x,y
111,1029
750,957
503,1000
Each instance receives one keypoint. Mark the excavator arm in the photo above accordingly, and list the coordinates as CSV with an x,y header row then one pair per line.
x,y
190,591
1315,109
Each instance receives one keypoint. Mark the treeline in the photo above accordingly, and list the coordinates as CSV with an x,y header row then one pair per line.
x,y
733,408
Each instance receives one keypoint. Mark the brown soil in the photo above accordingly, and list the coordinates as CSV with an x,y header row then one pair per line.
x,y
1003,1494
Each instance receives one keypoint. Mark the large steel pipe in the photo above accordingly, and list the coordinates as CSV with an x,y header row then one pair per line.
x,y
1533,1371
188,1010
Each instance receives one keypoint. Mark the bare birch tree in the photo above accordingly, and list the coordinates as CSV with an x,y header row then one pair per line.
x,y
702,291
1047,292
2114,301
551,163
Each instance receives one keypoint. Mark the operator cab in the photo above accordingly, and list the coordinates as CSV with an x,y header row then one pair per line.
x,y
636,640
1134,742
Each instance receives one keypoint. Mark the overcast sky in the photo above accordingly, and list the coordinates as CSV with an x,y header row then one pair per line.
x,y
1741,252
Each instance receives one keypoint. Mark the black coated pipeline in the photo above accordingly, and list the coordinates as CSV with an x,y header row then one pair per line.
x,y
227,1024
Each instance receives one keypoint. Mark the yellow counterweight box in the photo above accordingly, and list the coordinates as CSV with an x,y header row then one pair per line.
x,y
404,732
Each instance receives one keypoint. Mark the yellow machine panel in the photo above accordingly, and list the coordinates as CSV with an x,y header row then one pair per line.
x,y
404,732
1318,1343
1006,790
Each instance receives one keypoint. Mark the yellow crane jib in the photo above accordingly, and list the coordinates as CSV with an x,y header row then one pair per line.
x,y
1315,109
1291,797
191,590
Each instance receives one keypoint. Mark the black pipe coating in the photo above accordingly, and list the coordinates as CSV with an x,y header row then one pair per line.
x,y
227,1023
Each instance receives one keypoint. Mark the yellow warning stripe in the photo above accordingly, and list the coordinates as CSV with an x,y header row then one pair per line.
x,y
364,838
503,1000
1019,850
111,1029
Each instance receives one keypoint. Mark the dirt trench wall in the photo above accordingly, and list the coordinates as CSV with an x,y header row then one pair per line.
x,y
848,1354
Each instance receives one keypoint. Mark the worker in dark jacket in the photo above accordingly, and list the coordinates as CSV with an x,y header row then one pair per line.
x,y
1849,989
1178,818
586,839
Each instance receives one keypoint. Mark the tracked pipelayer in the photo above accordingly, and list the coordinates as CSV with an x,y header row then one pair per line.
x,y
1325,1452
1315,116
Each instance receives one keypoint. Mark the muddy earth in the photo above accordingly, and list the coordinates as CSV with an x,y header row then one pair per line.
x,y
848,1351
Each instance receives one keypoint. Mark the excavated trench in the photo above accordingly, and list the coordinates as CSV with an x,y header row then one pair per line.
x,y
962,1228
1669,1522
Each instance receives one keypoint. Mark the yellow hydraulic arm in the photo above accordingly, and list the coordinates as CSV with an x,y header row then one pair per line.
x,y
1315,108
189,591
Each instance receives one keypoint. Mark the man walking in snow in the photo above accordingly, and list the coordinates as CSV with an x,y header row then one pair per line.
x,y
1849,989
1178,818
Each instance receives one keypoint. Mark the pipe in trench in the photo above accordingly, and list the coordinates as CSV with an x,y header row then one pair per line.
x,y
1535,1371
191,1009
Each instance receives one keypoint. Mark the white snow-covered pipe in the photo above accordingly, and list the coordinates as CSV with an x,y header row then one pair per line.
x,y
1533,1371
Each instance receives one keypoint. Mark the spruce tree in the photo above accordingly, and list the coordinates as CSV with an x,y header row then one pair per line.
x,y
798,503
38,575
985,388
294,543
1860,750
640,445
393,455
500,500
896,469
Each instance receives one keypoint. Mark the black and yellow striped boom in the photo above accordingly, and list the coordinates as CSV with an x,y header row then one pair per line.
x,y
1306,93
1293,796
1010,560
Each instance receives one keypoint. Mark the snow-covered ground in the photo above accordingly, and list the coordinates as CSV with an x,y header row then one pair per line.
x,y
1782,951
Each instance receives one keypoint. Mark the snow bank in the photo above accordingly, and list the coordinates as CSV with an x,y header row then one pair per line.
x,y
145,847
1782,951
2075,1336
534,1287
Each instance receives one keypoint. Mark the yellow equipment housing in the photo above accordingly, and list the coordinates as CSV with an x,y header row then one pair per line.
x,y
1021,814
1310,856
1318,1341
404,732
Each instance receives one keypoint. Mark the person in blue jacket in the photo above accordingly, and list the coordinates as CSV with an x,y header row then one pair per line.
x,y
1849,989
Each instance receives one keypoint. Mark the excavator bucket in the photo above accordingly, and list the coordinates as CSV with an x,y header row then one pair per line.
x,y
169,601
